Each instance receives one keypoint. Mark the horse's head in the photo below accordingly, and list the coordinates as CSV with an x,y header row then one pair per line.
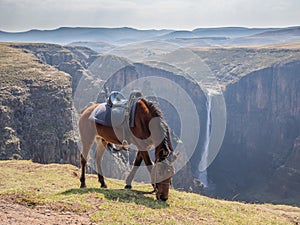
x,y
162,189
161,176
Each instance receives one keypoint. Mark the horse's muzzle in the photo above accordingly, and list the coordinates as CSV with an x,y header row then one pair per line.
x,y
161,197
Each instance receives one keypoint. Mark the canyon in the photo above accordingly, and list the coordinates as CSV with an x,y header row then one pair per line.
x,y
44,87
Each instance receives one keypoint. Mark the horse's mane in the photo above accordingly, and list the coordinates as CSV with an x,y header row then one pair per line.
x,y
156,112
153,108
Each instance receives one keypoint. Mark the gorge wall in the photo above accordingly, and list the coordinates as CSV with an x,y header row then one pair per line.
x,y
259,157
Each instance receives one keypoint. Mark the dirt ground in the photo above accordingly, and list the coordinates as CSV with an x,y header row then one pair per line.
x,y
15,214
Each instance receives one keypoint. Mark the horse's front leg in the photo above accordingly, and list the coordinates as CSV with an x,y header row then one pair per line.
x,y
137,162
101,144
148,162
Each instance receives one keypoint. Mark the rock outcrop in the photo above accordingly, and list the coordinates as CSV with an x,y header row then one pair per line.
x,y
35,111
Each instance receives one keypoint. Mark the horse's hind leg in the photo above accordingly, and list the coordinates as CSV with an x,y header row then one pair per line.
x,y
83,165
86,146
101,144
87,132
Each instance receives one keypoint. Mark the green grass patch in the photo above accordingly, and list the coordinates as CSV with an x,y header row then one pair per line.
x,y
55,186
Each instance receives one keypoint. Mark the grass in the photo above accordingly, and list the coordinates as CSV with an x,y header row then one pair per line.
x,y
55,186
18,69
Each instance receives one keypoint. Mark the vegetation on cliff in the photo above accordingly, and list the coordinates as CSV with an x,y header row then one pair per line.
x,y
230,64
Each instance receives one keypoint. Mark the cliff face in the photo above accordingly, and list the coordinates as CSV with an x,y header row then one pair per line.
x,y
72,60
35,110
260,145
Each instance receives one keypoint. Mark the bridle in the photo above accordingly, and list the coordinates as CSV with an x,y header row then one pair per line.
x,y
162,171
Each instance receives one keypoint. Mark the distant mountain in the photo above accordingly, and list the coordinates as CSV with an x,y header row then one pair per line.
x,y
284,35
178,34
229,31
237,36
289,31
225,32
98,46
106,39
66,35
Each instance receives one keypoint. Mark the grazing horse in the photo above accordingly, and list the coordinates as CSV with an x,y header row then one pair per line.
x,y
149,129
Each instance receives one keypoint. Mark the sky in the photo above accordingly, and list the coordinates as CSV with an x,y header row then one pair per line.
x,y
23,15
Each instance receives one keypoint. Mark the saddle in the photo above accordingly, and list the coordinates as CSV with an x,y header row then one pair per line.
x,y
116,99
118,112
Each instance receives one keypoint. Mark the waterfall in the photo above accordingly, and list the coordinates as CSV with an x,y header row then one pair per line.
x,y
203,163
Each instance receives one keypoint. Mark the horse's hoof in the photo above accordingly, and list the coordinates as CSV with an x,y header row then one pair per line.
x,y
82,186
103,186
128,186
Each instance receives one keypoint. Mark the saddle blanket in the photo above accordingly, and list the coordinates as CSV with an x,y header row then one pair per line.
x,y
112,116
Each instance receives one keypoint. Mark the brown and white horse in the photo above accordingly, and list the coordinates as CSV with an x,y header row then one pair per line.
x,y
150,129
